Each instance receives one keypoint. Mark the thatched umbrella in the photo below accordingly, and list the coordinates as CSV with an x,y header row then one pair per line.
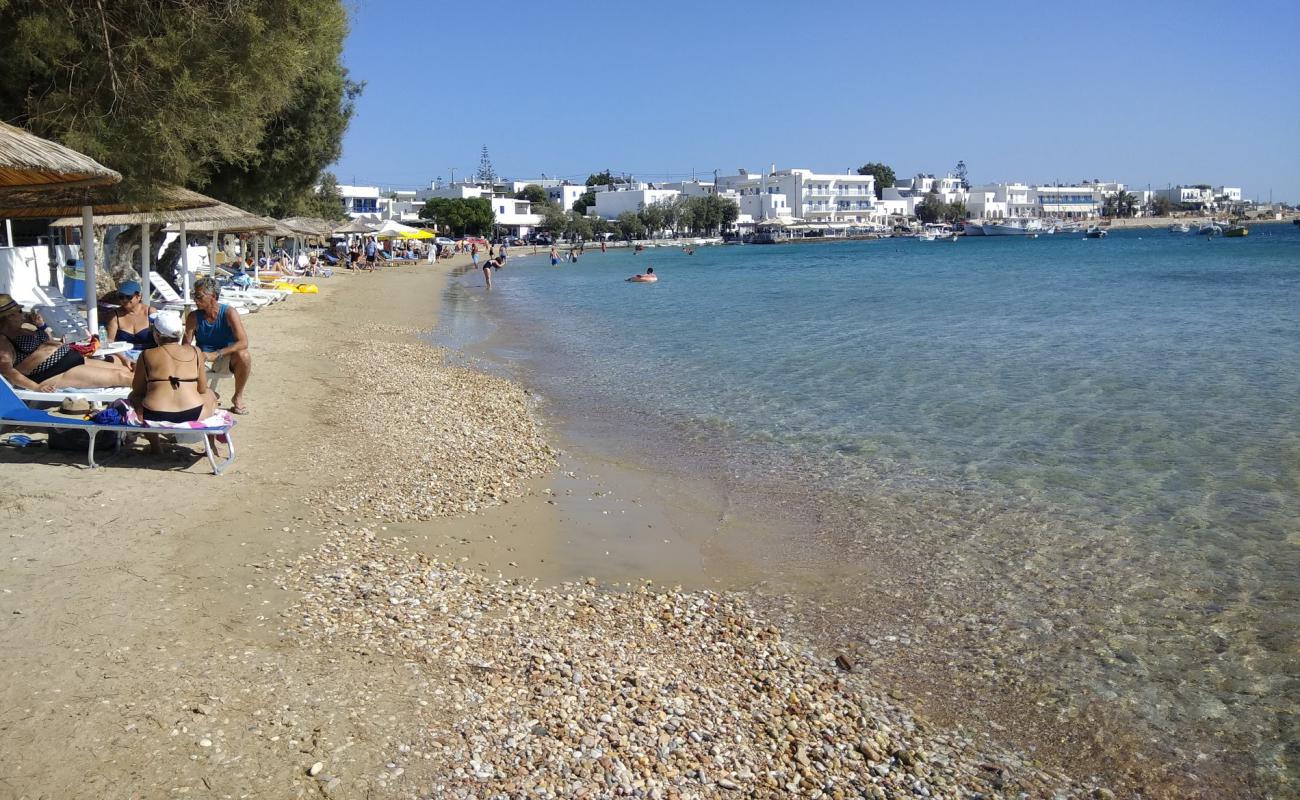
x,y
110,205
357,226
29,162
243,223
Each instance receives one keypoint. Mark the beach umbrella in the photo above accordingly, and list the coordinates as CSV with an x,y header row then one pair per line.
x,y
396,230
169,204
357,226
30,164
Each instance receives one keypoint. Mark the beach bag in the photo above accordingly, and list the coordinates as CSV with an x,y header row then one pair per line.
x,y
79,440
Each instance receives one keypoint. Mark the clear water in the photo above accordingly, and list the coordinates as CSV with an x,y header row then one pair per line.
x,y
1112,424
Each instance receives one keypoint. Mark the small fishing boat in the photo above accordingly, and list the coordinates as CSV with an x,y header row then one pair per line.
x,y
1096,232
1210,229
1236,230
1180,227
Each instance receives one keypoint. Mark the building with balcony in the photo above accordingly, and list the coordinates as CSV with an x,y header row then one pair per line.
x,y
836,200
360,201
1069,202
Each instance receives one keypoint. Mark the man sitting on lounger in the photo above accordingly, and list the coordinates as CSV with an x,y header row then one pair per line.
x,y
35,360
216,329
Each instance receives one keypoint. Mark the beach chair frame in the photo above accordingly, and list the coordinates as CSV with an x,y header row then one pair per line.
x,y
13,411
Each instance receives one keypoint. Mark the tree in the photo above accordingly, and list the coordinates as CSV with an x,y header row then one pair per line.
x,y
533,194
1120,204
577,226
600,179
1161,206
630,225
486,174
460,215
883,174
585,201
960,174
553,218
730,212
954,211
325,202
931,209
653,217
174,92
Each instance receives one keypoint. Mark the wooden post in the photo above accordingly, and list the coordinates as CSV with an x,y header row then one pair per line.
x,y
186,282
88,261
146,256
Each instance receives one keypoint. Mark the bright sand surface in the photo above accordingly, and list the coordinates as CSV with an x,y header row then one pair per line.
x,y
165,631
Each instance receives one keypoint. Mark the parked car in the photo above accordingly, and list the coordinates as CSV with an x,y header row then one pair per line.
x,y
445,241
541,238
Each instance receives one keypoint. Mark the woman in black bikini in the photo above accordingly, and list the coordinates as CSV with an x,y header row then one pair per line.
x,y
171,380
130,322
36,360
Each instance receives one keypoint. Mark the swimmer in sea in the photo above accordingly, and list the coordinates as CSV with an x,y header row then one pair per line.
x,y
648,276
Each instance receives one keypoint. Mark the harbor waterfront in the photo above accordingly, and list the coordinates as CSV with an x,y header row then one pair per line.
x,y
1051,482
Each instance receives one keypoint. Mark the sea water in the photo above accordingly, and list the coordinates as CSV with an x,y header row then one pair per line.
x,y
1078,459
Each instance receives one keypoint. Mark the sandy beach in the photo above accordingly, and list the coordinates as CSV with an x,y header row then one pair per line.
x,y
386,596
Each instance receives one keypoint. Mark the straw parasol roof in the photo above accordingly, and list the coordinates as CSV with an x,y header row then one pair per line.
x,y
308,226
29,162
357,226
111,206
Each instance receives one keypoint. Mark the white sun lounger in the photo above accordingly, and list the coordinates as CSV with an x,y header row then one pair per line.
x,y
14,412
174,301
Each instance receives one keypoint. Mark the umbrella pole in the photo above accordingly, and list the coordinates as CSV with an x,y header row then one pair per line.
x,y
186,285
212,258
88,260
9,232
146,255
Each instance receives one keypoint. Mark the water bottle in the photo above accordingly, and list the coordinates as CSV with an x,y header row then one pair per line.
x,y
103,334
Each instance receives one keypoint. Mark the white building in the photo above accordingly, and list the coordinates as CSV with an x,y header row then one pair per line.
x,y
565,194
619,198
513,217
1069,202
1227,194
1198,197
832,199
1001,201
360,200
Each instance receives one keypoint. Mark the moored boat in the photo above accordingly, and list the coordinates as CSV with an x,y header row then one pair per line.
x,y
1236,230
1210,229
1096,232
972,228
1180,227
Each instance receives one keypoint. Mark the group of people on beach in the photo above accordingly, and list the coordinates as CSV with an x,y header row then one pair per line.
x,y
166,366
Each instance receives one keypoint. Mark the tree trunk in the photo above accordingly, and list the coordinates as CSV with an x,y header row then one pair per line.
x,y
169,262
126,256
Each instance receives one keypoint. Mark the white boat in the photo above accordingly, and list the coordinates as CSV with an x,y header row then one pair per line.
x,y
1096,232
1210,228
1180,227
973,228
1013,227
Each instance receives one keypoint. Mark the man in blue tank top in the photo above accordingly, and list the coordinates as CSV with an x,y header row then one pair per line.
x,y
215,328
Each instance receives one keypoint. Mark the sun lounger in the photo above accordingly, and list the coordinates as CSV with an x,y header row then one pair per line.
x,y
59,395
170,299
13,411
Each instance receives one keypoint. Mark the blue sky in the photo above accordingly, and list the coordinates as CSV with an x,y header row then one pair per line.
x,y
1141,92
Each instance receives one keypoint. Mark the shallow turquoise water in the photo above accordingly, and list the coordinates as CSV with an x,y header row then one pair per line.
x,y
1138,393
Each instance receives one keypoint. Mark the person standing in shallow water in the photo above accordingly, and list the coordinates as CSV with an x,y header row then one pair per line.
x,y
488,266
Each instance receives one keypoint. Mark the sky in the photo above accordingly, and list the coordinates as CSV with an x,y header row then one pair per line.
x,y
1146,93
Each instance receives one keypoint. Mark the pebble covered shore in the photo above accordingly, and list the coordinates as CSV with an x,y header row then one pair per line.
x,y
585,690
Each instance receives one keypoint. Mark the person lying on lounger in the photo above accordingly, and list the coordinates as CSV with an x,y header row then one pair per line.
x,y
35,360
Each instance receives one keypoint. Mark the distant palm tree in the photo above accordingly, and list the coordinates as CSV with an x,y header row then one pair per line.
x,y
1120,204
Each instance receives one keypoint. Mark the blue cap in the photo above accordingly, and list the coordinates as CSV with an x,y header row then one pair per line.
x,y
128,288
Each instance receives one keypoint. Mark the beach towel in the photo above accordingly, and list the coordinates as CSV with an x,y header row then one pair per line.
x,y
123,413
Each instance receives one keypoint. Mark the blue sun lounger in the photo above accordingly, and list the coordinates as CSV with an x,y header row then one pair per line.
x,y
13,411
